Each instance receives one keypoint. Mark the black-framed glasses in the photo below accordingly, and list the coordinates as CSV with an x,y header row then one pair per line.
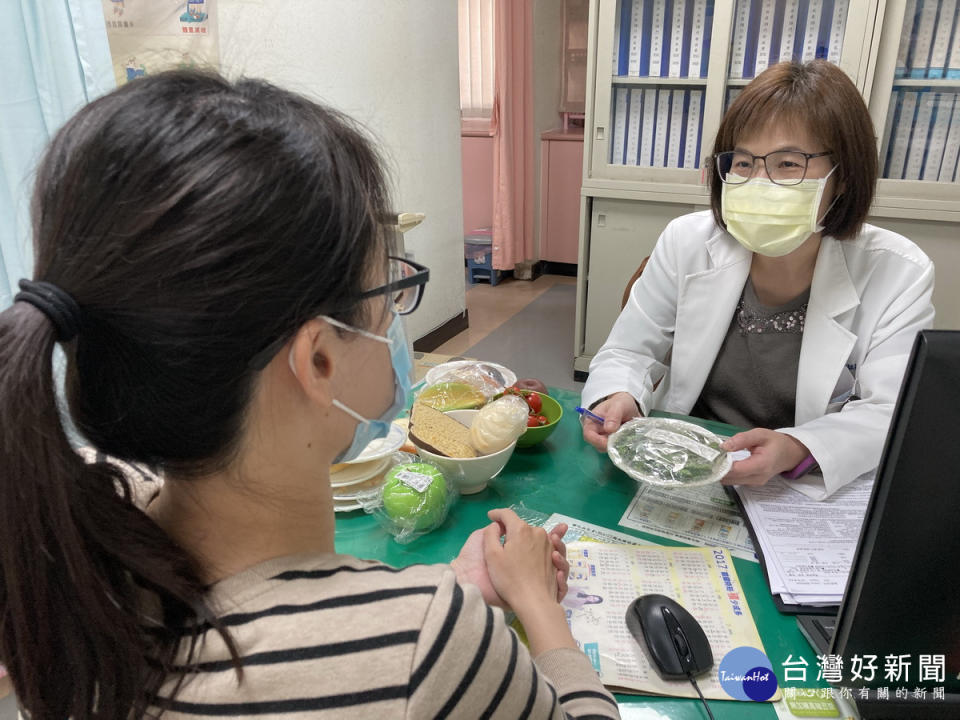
x,y
783,167
405,285
406,279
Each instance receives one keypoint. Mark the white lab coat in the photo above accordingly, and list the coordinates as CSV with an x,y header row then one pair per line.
x,y
869,297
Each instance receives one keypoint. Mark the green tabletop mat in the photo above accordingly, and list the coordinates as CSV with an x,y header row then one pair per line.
x,y
565,475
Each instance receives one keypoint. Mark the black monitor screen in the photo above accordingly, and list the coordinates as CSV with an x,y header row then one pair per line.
x,y
902,602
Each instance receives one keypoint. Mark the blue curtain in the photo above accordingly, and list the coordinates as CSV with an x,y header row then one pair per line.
x,y
55,58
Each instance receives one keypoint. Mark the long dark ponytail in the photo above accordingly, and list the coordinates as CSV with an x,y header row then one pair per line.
x,y
195,221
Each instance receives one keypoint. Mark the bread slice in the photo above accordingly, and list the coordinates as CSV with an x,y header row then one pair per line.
x,y
440,434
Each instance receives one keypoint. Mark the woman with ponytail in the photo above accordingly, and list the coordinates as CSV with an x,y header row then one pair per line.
x,y
212,259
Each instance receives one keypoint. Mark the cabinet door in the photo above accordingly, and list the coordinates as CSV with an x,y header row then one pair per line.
x,y
915,101
622,234
561,167
676,65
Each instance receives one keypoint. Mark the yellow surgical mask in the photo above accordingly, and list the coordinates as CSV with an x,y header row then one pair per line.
x,y
770,219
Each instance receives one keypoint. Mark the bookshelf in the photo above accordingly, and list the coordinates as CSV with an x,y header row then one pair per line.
x,y
660,74
915,105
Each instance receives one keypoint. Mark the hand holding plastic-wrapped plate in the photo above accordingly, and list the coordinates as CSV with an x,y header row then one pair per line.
x,y
668,452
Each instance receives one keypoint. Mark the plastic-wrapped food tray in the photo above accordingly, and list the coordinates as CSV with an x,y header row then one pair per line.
x,y
668,452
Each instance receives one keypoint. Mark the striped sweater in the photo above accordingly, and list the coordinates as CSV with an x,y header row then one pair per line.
x,y
331,636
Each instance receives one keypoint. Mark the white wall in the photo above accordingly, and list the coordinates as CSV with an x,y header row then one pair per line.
x,y
392,64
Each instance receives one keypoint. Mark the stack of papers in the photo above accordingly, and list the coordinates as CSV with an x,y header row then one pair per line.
x,y
703,515
807,545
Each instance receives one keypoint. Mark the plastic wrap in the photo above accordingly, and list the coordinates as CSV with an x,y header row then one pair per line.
x,y
452,395
498,424
664,451
486,378
414,499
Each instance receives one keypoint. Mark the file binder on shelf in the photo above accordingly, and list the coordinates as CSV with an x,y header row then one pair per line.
x,y
699,39
731,96
750,56
661,129
739,46
788,30
939,127
906,107
676,129
646,34
838,26
621,49
919,60
768,10
918,139
636,37
811,33
649,120
691,153
953,63
887,132
951,150
903,51
633,127
678,24
618,146
658,20
946,22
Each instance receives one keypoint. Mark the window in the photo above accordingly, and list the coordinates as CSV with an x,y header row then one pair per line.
x,y
476,63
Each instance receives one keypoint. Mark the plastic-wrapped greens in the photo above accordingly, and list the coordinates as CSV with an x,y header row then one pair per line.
x,y
664,451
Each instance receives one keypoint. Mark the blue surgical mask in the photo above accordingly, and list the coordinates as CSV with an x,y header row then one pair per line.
x,y
368,430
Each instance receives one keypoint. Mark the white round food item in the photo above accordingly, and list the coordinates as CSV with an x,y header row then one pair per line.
x,y
498,424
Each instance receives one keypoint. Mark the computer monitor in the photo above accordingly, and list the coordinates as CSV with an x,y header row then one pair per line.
x,y
903,593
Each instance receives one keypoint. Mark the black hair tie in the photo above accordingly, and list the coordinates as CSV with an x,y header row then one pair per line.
x,y
54,302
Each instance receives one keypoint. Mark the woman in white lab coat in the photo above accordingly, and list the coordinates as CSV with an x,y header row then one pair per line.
x,y
779,309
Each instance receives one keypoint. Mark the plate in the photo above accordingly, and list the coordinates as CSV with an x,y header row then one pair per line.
x,y
435,373
668,452
353,492
346,507
382,447
355,474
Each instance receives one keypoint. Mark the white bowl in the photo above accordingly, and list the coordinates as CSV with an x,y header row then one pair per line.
x,y
470,475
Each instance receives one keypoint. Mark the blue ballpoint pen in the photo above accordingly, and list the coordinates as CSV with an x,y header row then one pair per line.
x,y
592,416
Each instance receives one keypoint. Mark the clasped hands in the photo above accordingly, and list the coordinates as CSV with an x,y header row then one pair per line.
x,y
511,562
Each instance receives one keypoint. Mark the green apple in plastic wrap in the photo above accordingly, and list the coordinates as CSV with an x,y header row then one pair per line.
x,y
409,506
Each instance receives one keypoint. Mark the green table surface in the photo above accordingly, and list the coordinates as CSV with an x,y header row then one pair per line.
x,y
565,475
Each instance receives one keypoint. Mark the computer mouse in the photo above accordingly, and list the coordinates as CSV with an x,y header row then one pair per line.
x,y
676,643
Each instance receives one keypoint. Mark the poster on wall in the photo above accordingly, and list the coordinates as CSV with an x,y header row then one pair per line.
x,y
149,36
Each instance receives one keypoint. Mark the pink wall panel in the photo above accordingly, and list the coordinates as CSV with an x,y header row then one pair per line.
x,y
477,182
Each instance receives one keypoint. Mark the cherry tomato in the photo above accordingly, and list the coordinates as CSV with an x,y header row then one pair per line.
x,y
533,421
542,420
535,403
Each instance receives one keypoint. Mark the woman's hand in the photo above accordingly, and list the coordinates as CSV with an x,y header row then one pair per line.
x,y
616,410
771,453
521,569
524,573
471,567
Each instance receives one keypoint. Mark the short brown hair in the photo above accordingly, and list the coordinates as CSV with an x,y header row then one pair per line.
x,y
819,96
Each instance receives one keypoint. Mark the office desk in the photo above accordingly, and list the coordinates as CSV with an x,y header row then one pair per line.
x,y
567,476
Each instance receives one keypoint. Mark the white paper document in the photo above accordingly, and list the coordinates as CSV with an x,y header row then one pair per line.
x,y
702,515
807,545
578,530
